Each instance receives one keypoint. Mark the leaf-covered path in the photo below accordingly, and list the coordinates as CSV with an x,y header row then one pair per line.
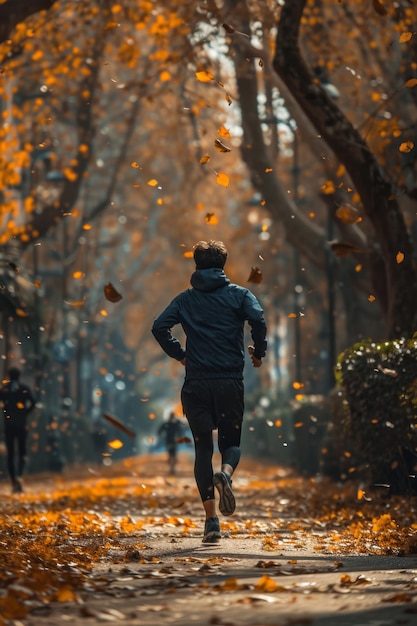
x,y
123,545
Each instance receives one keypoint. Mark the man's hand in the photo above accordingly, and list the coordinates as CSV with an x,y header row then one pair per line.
x,y
255,361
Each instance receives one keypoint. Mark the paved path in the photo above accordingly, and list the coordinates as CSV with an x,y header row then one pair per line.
x,y
270,568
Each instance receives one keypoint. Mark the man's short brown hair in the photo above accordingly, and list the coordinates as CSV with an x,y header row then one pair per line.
x,y
208,254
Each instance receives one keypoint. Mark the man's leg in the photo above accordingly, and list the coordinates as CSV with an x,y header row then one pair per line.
x,y
9,442
230,408
203,466
203,472
196,402
21,450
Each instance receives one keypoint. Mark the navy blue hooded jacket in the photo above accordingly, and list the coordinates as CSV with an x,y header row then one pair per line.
x,y
213,314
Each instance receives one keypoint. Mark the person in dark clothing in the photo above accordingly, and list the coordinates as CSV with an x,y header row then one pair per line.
x,y
171,432
213,314
18,402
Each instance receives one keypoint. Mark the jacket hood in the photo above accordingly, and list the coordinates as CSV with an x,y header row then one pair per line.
x,y
209,280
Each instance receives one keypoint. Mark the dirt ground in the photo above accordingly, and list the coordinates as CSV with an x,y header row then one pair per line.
x,y
271,567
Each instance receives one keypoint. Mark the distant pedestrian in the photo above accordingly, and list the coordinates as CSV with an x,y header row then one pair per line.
x,y
171,431
18,401
213,314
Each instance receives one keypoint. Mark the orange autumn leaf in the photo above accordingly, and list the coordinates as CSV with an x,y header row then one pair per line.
x,y
204,77
224,132
406,146
116,444
211,218
222,179
405,37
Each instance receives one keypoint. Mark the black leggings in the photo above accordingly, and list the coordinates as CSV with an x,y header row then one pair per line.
x,y
229,442
11,435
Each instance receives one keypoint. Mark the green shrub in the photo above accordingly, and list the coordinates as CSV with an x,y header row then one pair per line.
x,y
379,383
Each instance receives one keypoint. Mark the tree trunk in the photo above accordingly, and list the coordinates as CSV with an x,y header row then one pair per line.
x,y
377,192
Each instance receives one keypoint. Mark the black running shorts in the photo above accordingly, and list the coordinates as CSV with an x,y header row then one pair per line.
x,y
207,402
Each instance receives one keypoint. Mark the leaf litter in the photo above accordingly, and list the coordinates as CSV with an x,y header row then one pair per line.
x,y
64,538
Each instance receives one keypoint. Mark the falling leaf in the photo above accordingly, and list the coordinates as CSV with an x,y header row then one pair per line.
x,y
400,257
406,146
229,29
342,249
116,444
379,7
412,82
114,421
222,179
204,77
371,298
228,99
223,132
405,37
211,218
75,303
204,159
112,295
152,182
21,313
183,440
221,147
348,214
255,275
78,274
13,266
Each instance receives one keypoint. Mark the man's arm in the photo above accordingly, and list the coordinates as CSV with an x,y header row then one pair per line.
x,y
255,317
161,330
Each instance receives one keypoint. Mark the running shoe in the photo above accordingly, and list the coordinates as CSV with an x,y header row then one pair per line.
x,y
223,484
212,530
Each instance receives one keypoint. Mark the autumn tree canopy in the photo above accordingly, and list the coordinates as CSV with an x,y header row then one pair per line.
x,y
157,124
